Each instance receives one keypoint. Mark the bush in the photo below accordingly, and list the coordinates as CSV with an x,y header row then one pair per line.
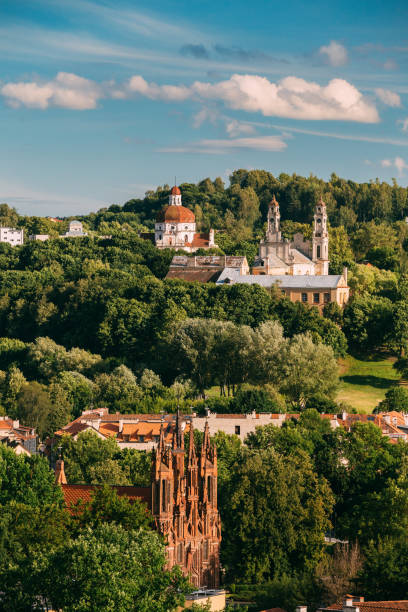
x,y
396,399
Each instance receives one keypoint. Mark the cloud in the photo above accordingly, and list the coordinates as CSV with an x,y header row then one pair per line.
x,y
197,51
336,54
205,114
398,163
390,64
404,124
291,97
245,55
236,128
260,143
65,91
390,98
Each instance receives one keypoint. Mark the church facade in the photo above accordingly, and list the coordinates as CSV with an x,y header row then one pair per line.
x,y
175,227
278,256
182,499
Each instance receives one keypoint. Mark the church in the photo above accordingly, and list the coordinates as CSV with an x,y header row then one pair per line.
x,y
182,498
278,256
175,227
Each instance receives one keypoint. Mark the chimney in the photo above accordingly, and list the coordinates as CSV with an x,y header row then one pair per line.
x,y
301,608
345,272
120,425
60,477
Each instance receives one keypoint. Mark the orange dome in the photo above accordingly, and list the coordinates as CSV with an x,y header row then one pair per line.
x,y
175,191
176,214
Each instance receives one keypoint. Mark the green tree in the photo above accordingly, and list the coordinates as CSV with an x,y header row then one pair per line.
x,y
134,563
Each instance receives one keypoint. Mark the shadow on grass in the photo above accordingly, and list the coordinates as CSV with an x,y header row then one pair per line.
x,y
369,381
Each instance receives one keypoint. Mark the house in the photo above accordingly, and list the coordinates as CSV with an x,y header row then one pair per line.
x,y
312,290
75,230
40,237
183,500
12,235
205,268
357,604
19,437
175,227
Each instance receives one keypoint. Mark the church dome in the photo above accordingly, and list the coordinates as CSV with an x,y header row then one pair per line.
x,y
175,191
175,214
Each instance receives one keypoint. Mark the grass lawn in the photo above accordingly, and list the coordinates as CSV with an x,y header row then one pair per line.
x,y
364,383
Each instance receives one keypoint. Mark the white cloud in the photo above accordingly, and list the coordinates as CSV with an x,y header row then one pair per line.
x,y
260,143
65,91
205,114
390,98
291,97
236,128
404,124
335,53
398,163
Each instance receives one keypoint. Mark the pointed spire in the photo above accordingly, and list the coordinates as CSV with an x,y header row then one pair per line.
x,y
321,203
178,435
206,440
274,201
60,477
191,446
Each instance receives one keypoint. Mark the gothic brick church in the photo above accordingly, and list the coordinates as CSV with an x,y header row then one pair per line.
x,y
183,501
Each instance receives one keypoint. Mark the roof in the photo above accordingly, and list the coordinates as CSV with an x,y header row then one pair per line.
x,y
206,261
74,493
299,257
176,214
200,240
285,281
201,276
175,191
372,606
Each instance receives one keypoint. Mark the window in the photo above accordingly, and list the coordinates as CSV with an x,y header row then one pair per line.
x,y
186,227
180,553
238,429
160,236
141,438
163,495
304,297
326,298
186,238
318,252
316,298
205,550
209,491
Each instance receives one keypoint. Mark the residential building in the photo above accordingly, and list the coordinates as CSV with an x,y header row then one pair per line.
x,y
205,268
175,227
183,501
357,604
23,439
12,235
75,230
40,237
312,290
142,431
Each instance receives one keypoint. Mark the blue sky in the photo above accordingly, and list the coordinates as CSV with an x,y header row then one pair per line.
x,y
102,100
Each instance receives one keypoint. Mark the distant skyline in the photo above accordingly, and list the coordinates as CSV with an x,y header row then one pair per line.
x,y
103,100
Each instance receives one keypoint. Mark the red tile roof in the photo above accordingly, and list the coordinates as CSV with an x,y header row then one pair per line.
x,y
74,493
372,606
176,214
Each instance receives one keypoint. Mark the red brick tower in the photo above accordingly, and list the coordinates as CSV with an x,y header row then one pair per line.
x,y
184,504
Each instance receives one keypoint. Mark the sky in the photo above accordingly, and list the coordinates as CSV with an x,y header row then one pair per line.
x,y
103,100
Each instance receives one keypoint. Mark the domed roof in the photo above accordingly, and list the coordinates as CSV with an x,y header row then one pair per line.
x,y
175,191
176,214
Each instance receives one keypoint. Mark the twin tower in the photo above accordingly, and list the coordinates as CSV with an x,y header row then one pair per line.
x,y
184,505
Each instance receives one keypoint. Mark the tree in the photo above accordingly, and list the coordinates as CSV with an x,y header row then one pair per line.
x,y
111,568
107,506
275,511
27,480
338,572
308,368
396,399
34,408
384,575
86,457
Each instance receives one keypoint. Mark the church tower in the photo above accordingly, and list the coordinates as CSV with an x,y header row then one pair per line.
x,y
320,241
175,196
273,232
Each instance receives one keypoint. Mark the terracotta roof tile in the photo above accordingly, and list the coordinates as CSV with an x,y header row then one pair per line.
x,y
191,274
83,493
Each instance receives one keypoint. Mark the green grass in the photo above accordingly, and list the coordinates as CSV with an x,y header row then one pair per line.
x,y
363,384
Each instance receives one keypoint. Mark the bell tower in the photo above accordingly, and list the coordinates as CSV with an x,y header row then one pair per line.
x,y
273,232
175,197
320,242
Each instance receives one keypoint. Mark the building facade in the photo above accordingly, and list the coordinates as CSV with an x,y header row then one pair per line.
x,y
12,235
182,499
278,256
175,227
75,230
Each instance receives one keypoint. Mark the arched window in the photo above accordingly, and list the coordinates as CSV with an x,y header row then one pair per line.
x,y
186,238
160,236
209,492
318,252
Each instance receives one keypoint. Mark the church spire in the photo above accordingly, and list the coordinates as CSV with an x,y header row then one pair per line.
x,y
178,435
273,216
